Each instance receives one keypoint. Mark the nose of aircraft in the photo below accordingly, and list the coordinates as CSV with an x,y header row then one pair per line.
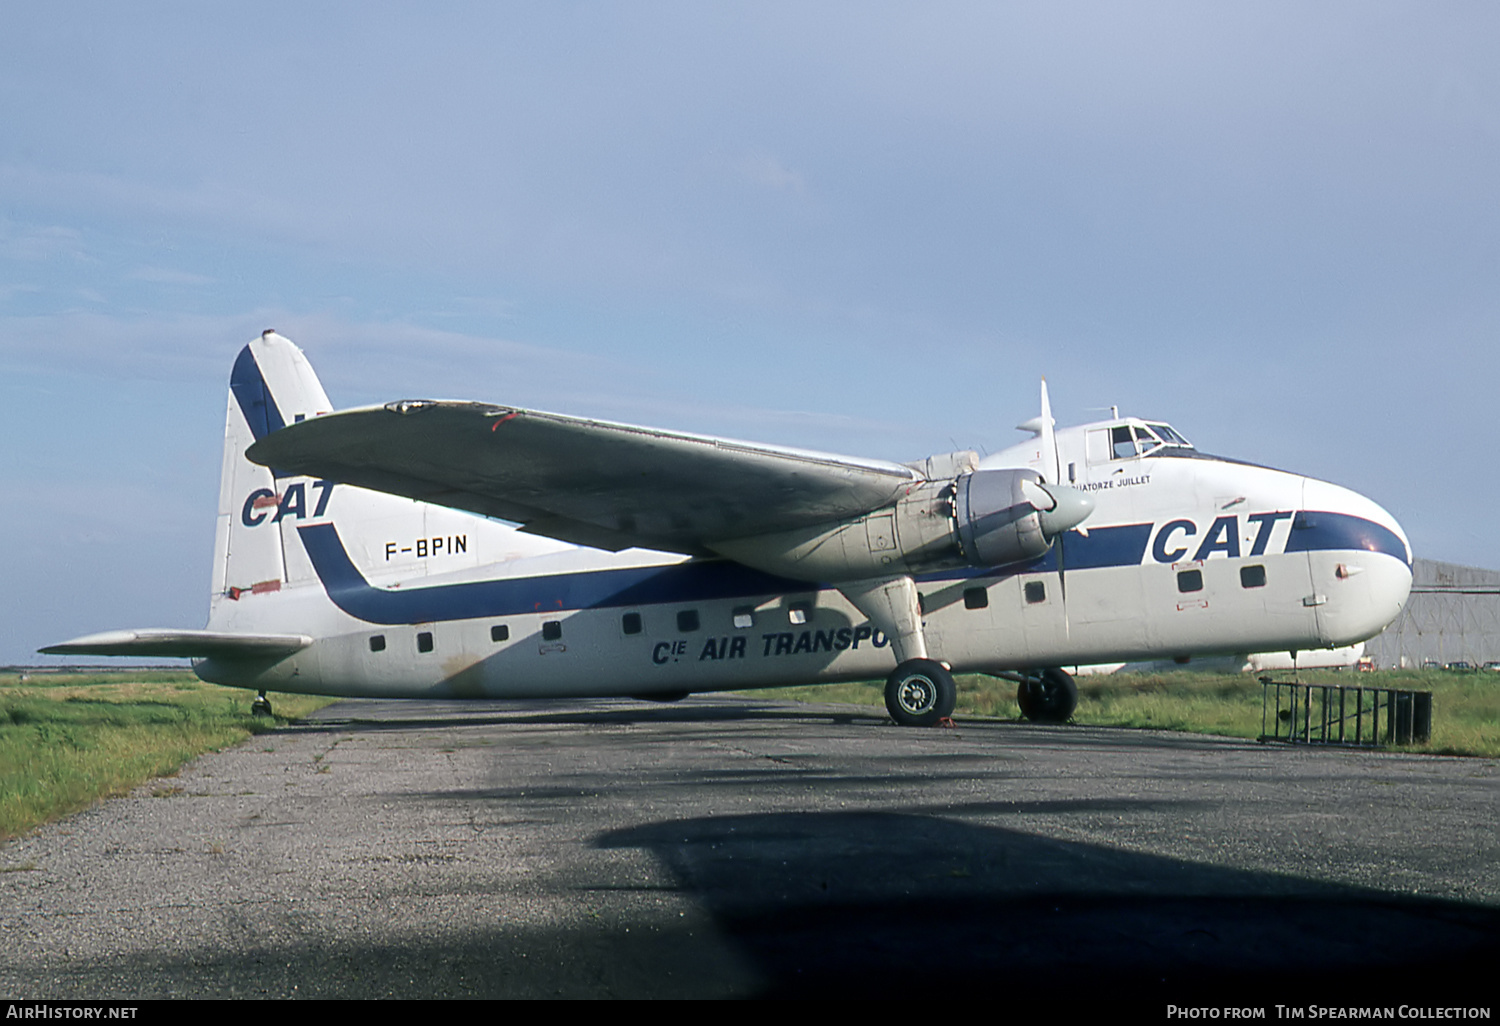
x,y
1359,558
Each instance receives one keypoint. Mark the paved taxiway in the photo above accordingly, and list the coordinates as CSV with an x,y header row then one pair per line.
x,y
724,846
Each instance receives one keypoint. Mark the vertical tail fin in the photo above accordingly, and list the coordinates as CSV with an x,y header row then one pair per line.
x,y
271,385
259,544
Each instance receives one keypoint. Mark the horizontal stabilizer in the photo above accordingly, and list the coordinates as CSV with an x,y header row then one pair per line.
x,y
156,641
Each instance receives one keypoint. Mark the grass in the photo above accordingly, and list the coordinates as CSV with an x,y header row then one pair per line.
x,y
67,740
1465,706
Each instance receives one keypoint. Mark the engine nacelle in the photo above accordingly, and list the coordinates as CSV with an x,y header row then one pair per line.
x,y
997,522
983,519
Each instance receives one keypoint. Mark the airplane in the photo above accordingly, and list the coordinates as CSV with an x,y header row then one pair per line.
x,y
462,550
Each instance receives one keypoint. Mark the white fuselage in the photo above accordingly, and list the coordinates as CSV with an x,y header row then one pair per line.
x,y
1184,555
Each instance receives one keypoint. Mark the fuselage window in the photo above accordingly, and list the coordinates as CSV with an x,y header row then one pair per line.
x,y
744,617
424,641
976,598
1253,576
377,642
499,632
630,623
1036,591
1122,444
687,621
799,612
551,630
1190,580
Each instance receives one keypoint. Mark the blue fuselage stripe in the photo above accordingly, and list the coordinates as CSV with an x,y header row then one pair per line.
x,y
705,580
692,581
1319,532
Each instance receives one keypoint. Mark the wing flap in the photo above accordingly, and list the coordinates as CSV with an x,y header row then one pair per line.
x,y
156,641
594,482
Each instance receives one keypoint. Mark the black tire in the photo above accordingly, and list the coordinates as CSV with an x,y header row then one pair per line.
x,y
920,693
1049,697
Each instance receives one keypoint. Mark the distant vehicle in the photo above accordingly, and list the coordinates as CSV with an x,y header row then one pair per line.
x,y
1460,665
1365,664
1492,665
1431,664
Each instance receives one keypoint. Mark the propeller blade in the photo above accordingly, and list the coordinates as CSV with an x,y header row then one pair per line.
x,y
1051,461
1062,586
1040,498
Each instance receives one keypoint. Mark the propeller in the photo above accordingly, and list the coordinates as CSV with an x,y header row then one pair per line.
x,y
1060,507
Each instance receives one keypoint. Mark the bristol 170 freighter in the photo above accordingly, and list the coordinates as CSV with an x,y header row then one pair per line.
x,y
442,549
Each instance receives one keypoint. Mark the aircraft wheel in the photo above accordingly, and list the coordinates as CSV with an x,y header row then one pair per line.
x,y
1049,697
920,693
261,706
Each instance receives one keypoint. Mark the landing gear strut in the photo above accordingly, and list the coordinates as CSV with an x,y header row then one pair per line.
x,y
1047,696
261,706
920,693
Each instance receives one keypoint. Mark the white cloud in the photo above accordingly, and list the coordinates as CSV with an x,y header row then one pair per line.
x,y
168,276
765,170
36,243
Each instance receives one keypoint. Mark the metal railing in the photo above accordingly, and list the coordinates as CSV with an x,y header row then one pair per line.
x,y
1332,714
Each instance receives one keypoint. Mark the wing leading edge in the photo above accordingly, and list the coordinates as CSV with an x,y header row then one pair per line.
x,y
590,482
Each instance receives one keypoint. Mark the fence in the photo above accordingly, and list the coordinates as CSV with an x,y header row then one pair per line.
x,y
1332,714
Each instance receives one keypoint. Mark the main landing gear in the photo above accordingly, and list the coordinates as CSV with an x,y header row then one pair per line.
x,y
920,693
1047,696
261,706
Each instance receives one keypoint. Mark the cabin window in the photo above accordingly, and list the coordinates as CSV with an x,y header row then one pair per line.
x,y
1253,576
1123,444
551,630
744,617
424,641
1190,580
976,598
687,621
1036,591
377,642
799,612
499,632
630,623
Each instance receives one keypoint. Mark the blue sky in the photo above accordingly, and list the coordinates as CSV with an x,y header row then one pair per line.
x,y
862,227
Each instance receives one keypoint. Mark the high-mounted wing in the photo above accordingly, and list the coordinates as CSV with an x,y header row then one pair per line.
x,y
590,482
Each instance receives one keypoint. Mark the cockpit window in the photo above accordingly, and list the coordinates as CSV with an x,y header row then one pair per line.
x,y
1169,436
1127,441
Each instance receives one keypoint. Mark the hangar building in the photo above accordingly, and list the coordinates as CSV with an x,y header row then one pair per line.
x,y
1453,615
